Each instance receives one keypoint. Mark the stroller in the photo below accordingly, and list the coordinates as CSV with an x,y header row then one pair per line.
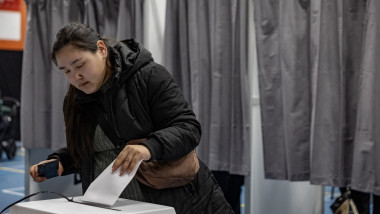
x,y
9,108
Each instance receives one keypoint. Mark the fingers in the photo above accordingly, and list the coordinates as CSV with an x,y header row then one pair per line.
x,y
39,179
129,157
60,169
128,164
124,159
119,160
34,171
34,174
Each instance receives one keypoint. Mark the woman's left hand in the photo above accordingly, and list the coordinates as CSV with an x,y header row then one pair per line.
x,y
130,156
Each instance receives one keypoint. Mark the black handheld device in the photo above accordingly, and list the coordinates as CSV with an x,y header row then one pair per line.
x,y
48,170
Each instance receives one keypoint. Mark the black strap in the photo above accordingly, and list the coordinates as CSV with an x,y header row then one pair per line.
x,y
26,197
68,199
104,124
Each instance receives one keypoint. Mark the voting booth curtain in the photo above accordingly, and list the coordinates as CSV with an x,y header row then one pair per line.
x,y
206,48
319,91
43,85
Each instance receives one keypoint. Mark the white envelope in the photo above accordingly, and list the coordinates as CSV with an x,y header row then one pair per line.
x,y
107,187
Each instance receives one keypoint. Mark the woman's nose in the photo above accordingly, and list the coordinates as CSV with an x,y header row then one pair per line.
x,y
78,75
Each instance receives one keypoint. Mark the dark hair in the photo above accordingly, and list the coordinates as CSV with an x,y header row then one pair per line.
x,y
78,35
79,127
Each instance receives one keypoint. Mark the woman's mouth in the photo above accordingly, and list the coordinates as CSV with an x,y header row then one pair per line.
x,y
83,84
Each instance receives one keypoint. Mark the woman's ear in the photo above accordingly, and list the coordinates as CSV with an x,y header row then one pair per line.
x,y
102,48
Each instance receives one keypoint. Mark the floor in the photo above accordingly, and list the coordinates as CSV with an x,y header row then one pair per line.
x,y
12,183
12,178
330,195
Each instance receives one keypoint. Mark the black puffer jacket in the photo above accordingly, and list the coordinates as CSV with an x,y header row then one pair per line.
x,y
143,101
146,102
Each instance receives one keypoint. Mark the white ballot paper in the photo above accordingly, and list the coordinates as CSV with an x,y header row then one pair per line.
x,y
108,186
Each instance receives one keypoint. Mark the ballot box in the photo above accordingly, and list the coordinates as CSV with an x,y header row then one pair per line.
x,y
62,206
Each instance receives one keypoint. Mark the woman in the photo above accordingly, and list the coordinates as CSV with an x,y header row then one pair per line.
x,y
141,102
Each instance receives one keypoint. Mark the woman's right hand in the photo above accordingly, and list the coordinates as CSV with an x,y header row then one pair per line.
x,y
34,171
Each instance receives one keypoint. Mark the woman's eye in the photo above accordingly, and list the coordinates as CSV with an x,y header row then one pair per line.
x,y
67,71
80,65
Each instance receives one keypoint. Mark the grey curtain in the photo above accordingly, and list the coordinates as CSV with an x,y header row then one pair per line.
x,y
205,48
317,63
282,32
366,158
43,87
116,19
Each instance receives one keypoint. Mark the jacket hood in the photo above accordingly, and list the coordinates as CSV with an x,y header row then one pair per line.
x,y
128,57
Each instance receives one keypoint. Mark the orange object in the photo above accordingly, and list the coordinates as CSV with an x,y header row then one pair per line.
x,y
14,6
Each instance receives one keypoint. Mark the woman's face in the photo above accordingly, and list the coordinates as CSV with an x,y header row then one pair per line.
x,y
83,69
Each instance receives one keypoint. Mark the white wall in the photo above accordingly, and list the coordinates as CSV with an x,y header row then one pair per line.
x,y
154,27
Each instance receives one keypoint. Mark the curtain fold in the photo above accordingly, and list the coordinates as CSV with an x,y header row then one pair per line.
x,y
205,48
115,19
317,62
130,14
366,158
36,77
335,67
282,32
43,86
